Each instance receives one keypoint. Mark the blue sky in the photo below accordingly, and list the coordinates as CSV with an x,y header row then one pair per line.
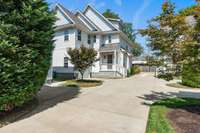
x,y
137,12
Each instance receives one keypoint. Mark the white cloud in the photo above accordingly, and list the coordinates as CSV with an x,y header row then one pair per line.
x,y
118,2
140,11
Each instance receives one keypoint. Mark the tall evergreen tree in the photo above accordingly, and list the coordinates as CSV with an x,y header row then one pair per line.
x,y
26,32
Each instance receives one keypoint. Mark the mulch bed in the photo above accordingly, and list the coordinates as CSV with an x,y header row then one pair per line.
x,y
18,113
185,119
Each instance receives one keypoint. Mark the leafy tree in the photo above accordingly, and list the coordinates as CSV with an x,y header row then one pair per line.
x,y
26,32
128,30
82,58
165,31
170,34
153,61
191,49
137,49
109,14
166,34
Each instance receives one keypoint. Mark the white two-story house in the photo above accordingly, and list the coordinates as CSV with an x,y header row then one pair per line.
x,y
91,29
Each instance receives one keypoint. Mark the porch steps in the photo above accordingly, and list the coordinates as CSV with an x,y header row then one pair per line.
x,y
107,74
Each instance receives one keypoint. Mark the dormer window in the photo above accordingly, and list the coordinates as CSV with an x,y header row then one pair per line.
x,y
109,38
79,35
89,39
66,35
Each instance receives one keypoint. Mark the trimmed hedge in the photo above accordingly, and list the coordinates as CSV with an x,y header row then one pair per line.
x,y
26,33
190,76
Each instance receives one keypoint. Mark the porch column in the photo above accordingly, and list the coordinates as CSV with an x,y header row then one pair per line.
x,y
115,61
115,57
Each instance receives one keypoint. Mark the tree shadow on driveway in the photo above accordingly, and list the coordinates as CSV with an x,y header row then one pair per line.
x,y
47,97
158,95
51,96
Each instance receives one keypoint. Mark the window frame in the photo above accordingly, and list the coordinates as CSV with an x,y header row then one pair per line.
x,y
66,35
94,38
79,33
66,62
109,38
89,39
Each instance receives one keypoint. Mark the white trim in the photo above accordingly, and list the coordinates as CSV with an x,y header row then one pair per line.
x,y
57,5
87,21
89,6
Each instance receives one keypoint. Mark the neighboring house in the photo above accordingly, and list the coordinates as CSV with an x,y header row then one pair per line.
x,y
91,29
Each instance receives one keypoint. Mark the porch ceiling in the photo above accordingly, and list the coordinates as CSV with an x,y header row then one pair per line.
x,y
109,47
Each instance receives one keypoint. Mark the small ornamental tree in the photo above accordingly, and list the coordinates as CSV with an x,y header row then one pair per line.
x,y
82,58
26,32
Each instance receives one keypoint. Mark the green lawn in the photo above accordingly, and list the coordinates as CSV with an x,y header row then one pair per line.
x,y
158,122
83,83
179,85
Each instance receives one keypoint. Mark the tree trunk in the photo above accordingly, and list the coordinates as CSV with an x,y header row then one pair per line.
x,y
81,75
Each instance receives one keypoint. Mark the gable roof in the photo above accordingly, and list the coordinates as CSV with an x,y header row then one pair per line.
x,y
65,12
75,21
101,16
78,23
88,21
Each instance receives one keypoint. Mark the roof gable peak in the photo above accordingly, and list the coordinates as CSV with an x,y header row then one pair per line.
x,y
64,11
89,6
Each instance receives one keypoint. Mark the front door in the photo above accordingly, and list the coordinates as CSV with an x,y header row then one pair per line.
x,y
109,61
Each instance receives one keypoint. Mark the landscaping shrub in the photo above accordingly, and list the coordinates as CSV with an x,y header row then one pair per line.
x,y
26,29
165,76
190,76
135,70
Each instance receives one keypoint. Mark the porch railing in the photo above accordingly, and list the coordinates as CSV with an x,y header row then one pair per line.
x,y
106,67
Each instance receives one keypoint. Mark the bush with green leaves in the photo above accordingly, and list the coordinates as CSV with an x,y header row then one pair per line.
x,y
135,70
166,76
26,32
190,76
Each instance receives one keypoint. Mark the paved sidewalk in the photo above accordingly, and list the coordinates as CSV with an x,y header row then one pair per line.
x,y
118,106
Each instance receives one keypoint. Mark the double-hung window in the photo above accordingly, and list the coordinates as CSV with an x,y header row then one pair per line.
x,y
109,38
89,39
94,38
66,62
79,35
66,35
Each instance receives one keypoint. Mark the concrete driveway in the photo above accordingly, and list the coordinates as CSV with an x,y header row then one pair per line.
x,y
118,106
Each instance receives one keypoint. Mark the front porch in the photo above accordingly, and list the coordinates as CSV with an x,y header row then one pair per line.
x,y
112,64
107,61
